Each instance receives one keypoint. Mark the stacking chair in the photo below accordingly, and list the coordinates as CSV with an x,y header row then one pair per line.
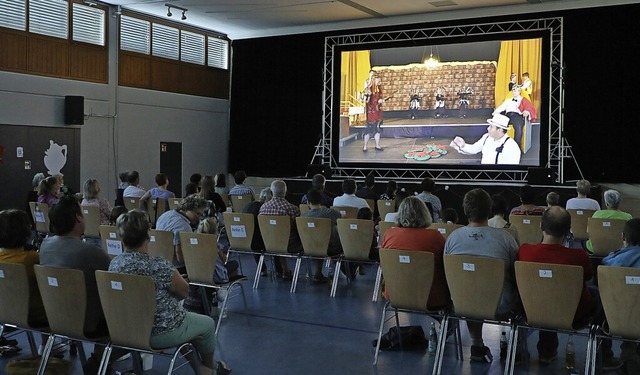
x,y
372,204
385,207
315,235
239,201
347,212
275,230
303,207
579,220
620,294
200,252
444,228
240,228
550,294
132,202
356,236
155,208
14,302
382,229
476,285
225,199
111,242
64,296
161,244
408,278
40,213
605,235
129,305
174,203
528,228
91,221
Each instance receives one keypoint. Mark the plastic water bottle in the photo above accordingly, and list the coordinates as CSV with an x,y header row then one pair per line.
x,y
570,355
503,346
433,338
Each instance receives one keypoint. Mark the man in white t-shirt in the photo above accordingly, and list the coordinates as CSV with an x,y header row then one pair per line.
x,y
349,199
133,190
582,202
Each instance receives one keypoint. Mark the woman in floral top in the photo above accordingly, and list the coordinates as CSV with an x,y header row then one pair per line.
x,y
172,324
91,190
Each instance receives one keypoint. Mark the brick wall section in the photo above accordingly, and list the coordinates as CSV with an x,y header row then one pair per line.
x,y
398,81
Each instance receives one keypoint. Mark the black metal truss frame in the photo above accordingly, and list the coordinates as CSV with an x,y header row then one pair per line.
x,y
558,149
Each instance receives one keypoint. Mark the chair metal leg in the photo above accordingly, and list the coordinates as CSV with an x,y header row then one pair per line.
x,y
256,279
32,344
511,355
382,320
45,354
296,273
442,338
592,352
376,287
102,370
136,359
336,276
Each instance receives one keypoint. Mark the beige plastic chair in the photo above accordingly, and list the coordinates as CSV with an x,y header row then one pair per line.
x,y
239,201
174,203
132,203
91,221
408,277
356,236
528,228
155,208
129,305
385,207
372,204
200,252
315,235
40,214
605,235
382,229
579,223
161,244
64,296
111,241
14,302
225,199
550,294
304,207
275,232
240,228
445,229
620,294
347,212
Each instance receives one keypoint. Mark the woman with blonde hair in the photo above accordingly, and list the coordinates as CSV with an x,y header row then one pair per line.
x,y
91,190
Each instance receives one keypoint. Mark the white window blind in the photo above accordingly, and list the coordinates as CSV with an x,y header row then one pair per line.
x,y
88,24
14,14
165,41
135,35
218,54
192,47
49,17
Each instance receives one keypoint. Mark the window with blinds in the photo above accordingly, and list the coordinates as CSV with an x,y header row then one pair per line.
x,y
88,24
218,54
191,47
49,17
14,15
165,41
135,35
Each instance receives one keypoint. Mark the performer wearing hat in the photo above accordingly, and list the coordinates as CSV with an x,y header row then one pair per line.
x,y
518,109
496,146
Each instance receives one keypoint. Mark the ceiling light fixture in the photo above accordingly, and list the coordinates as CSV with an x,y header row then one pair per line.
x,y
169,14
432,62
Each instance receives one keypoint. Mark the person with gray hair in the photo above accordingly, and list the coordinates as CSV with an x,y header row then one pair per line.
x,y
612,199
412,234
279,206
317,183
582,202
257,244
91,190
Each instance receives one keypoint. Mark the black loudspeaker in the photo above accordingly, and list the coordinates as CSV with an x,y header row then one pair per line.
x,y
541,176
324,170
74,110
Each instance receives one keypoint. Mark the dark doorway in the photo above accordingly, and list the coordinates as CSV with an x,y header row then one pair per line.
x,y
171,165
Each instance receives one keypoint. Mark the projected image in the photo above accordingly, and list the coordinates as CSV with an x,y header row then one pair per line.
x,y
459,104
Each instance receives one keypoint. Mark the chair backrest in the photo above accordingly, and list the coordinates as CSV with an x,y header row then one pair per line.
x,y
605,235
161,244
620,294
132,202
239,201
385,207
550,293
174,203
382,228
129,305
225,199
91,221
303,207
64,296
240,228
155,208
372,204
200,251
527,227
111,241
14,294
408,276
347,212
275,232
315,234
40,213
356,236
475,284
444,228
579,220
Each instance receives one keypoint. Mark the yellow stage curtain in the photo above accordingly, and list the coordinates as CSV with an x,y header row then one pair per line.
x,y
519,56
354,71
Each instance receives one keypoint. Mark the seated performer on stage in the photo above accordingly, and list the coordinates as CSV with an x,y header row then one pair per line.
x,y
374,101
513,81
463,95
527,86
518,109
414,103
496,146
441,95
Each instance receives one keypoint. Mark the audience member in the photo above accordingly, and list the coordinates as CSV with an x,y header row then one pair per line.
x,y
115,213
479,239
553,199
257,244
196,178
221,184
428,186
64,189
216,203
366,190
612,199
390,192
240,188
349,199
91,190
173,325
190,188
32,196
124,180
400,196
527,196
226,269
412,233
582,202
134,190
498,212
49,191
161,191
317,183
